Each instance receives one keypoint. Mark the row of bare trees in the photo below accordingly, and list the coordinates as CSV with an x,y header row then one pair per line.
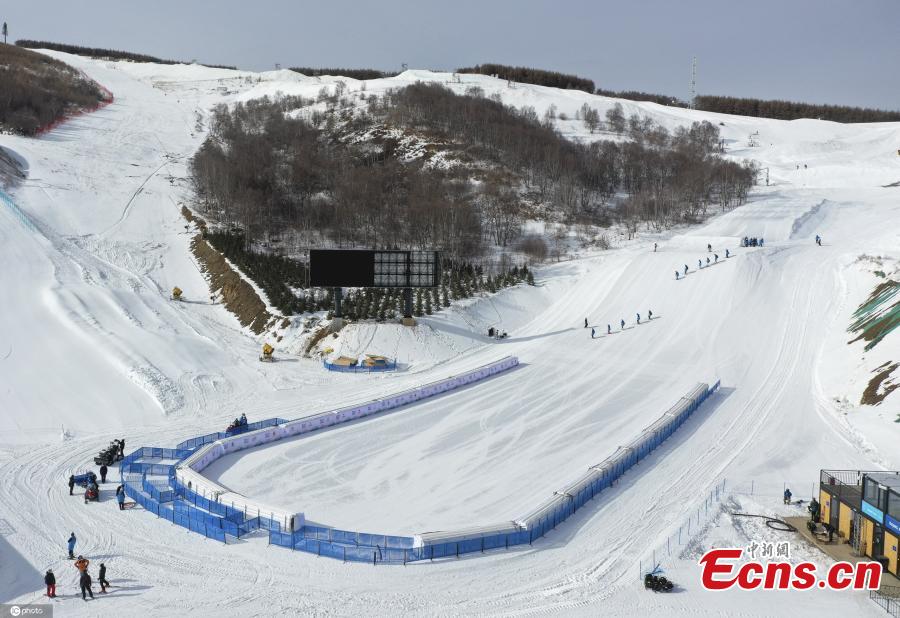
x,y
274,174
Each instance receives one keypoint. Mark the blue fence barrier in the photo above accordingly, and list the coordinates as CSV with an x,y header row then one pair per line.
x,y
192,443
166,497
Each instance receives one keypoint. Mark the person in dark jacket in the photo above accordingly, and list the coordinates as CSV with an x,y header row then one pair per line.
x,y
585,323
593,333
120,498
101,577
71,483
85,582
50,581
103,471
122,447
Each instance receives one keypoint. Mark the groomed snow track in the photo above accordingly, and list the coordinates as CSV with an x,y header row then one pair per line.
x,y
168,482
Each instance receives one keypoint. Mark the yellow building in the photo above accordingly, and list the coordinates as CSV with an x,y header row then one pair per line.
x,y
864,508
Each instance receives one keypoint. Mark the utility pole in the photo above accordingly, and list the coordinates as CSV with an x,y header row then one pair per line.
x,y
5,32
693,81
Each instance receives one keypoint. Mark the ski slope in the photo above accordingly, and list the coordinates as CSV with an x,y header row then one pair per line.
x,y
91,348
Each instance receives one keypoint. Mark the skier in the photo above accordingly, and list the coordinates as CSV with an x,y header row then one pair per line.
x,y
649,314
654,247
608,329
622,324
676,275
71,483
82,563
685,270
709,247
50,581
585,322
707,260
717,257
120,497
103,471
727,254
102,578
592,332
85,582
818,240
71,545
787,496
638,318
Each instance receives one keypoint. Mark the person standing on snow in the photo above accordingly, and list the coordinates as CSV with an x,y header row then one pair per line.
x,y
685,270
71,483
103,471
608,329
699,264
709,247
85,582
654,247
787,496
82,564
717,257
638,317
71,545
726,253
50,582
622,324
122,447
120,497
676,275
592,333
585,323
707,260
649,314
101,578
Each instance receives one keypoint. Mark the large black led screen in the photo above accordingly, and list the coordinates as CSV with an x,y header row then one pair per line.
x,y
331,268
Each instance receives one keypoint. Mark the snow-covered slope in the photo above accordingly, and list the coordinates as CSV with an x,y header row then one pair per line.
x,y
91,348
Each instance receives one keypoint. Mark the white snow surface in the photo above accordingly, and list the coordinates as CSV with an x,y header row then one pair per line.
x,y
91,348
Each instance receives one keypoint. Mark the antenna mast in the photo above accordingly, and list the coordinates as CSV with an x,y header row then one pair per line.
x,y
693,81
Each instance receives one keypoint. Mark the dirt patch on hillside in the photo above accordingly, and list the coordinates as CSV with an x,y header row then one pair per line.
x,y
871,396
238,296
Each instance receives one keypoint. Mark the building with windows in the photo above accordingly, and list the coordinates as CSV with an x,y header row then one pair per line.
x,y
864,507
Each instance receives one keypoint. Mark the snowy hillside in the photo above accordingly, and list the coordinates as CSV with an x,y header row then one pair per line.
x,y
91,348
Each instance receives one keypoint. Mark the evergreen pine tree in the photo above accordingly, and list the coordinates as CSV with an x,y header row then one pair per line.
x,y
445,299
419,310
530,278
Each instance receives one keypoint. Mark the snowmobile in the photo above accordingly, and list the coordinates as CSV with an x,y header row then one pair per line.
x,y
657,583
109,455
91,494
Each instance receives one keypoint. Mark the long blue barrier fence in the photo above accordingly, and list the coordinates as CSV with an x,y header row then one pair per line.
x,y
215,520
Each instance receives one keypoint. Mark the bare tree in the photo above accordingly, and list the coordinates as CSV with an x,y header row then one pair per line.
x,y
615,118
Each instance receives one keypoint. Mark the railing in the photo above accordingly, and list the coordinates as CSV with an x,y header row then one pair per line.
x,y
888,598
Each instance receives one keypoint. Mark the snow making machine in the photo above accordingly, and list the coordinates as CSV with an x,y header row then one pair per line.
x,y
267,352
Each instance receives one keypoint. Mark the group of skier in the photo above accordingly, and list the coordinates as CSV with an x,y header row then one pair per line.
x,y
621,324
709,261
84,577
